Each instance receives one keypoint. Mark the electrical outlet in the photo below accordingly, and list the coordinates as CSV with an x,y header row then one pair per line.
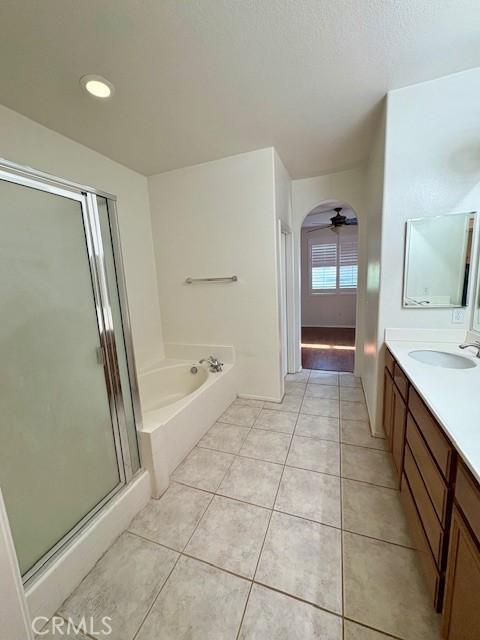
x,y
458,315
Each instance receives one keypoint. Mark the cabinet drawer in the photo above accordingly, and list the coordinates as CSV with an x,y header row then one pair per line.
x,y
401,381
434,482
437,442
389,361
432,576
431,525
467,496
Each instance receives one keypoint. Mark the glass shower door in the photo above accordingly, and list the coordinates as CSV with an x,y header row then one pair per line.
x,y
60,457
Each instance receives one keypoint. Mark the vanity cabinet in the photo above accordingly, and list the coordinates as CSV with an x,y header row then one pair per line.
x,y
461,620
388,406
395,396
442,503
399,417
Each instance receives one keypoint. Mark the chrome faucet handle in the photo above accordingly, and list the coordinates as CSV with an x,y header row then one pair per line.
x,y
214,363
475,343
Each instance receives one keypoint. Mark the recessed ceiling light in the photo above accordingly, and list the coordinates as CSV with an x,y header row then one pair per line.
x,y
97,86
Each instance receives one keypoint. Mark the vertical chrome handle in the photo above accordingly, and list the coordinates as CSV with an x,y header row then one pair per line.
x,y
100,355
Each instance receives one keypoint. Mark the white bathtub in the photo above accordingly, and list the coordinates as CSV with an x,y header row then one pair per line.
x,y
178,408
170,383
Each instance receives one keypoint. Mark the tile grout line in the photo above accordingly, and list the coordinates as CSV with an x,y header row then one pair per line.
x,y
290,433
268,525
285,513
342,577
168,577
272,510
269,587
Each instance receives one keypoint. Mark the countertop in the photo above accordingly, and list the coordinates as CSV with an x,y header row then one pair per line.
x,y
452,395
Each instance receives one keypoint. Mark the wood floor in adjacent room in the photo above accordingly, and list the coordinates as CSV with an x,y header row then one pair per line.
x,y
329,348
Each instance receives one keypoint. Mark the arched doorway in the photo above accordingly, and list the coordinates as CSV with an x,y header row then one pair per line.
x,y
329,269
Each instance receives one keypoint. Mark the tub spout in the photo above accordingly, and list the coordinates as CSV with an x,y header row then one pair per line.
x,y
214,364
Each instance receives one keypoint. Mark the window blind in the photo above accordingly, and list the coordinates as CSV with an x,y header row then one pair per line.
x,y
324,266
348,264
334,264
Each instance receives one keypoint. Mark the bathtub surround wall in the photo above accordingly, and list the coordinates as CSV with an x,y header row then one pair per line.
x,y
220,219
29,143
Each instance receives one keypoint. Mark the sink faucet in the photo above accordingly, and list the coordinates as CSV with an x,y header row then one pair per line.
x,y
475,343
214,364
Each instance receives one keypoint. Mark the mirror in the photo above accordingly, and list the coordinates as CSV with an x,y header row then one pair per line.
x,y
476,307
437,261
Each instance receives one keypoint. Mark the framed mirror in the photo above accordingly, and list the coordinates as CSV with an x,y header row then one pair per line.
x,y
476,305
437,261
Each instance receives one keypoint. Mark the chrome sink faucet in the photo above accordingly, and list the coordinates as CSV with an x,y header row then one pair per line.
x,y
475,343
214,364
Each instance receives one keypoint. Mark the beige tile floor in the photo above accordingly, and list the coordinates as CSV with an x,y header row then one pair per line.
x,y
282,524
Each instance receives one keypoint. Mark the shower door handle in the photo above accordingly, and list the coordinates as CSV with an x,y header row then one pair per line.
x,y
100,355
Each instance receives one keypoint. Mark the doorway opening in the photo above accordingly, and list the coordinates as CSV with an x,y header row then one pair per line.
x,y
329,276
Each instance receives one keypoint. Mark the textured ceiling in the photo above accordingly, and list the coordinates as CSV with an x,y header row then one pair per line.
x,y
202,79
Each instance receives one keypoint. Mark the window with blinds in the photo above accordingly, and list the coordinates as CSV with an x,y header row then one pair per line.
x,y
324,266
348,264
333,265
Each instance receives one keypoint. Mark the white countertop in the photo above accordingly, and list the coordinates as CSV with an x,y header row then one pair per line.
x,y
452,395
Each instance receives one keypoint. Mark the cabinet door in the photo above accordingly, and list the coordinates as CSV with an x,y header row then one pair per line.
x,y
462,600
388,407
399,417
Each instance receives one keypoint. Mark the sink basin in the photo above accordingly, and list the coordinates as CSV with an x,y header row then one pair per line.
x,y
442,359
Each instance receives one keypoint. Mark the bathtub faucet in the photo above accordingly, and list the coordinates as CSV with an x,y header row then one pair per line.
x,y
214,364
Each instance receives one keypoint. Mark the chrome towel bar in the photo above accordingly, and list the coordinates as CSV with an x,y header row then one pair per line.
x,y
190,280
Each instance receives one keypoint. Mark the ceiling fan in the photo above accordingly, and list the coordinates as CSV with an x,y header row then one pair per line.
x,y
336,222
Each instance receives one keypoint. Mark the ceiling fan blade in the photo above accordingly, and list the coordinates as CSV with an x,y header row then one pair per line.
x,y
324,226
351,221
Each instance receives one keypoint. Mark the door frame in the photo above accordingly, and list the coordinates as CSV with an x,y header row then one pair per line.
x,y
286,230
86,197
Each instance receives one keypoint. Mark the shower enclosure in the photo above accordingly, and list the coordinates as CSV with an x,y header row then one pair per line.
x,y
68,390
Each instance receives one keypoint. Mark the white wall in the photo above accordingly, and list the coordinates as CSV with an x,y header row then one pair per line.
x,y
219,219
329,309
347,187
372,374
283,215
432,168
28,143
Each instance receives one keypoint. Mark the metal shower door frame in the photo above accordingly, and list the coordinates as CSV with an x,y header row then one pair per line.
x,y
86,197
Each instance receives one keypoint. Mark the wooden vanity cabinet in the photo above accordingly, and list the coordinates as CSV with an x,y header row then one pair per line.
x,y
395,394
461,619
399,417
388,407
442,503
